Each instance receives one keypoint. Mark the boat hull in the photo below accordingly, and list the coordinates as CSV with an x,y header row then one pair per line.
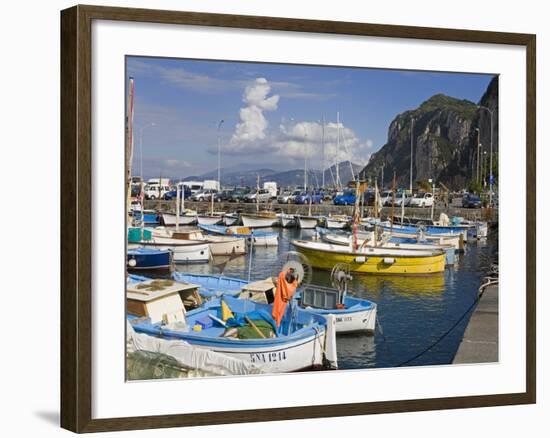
x,y
209,220
336,224
230,220
258,238
307,223
366,263
287,221
252,221
147,259
193,252
222,245
169,219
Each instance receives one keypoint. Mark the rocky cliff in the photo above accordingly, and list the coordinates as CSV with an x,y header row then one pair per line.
x,y
444,138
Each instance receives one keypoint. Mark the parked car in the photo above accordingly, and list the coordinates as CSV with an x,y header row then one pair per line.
x,y
223,196
422,199
262,195
306,198
284,197
471,201
203,195
185,193
238,194
295,193
346,198
386,197
402,198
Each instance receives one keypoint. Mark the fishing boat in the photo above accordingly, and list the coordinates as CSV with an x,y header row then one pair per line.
x,y
287,220
256,237
387,241
212,285
436,230
351,314
219,245
372,260
307,222
262,219
187,217
337,222
210,219
304,340
146,259
456,240
183,251
231,219
150,217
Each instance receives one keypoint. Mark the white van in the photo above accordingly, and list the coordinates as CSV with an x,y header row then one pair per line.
x,y
155,191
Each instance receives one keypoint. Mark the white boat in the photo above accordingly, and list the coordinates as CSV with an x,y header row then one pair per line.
x,y
304,341
183,251
337,222
353,315
260,220
257,238
307,222
287,220
209,219
219,245
231,219
186,218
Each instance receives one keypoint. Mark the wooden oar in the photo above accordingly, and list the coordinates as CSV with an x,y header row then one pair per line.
x,y
248,320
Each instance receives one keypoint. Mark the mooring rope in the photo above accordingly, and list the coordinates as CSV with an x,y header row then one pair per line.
x,y
488,282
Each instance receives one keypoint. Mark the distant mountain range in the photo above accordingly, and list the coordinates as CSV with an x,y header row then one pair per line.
x,y
289,178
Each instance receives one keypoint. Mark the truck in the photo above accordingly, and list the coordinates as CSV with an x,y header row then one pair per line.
x,y
271,187
211,184
156,188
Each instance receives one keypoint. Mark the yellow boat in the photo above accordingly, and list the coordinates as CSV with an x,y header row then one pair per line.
x,y
373,260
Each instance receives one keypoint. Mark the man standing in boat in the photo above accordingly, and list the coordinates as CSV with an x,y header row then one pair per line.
x,y
287,282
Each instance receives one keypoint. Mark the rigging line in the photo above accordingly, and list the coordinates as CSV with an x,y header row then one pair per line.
x,y
444,335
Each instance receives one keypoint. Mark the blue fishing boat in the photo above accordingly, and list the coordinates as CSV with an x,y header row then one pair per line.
x,y
255,236
150,217
146,259
212,285
241,329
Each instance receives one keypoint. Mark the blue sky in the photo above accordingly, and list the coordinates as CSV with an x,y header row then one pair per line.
x,y
272,113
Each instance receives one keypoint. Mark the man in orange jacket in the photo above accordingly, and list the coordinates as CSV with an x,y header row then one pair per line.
x,y
287,283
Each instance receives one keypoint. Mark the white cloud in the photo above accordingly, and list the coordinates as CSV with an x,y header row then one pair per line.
x,y
295,141
291,141
253,125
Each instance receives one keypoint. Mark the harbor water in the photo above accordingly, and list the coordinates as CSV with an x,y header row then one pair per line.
x,y
414,312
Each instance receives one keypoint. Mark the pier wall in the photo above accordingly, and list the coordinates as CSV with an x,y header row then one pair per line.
x,y
480,341
490,215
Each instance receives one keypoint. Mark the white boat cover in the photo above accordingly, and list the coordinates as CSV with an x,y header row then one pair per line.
x,y
203,362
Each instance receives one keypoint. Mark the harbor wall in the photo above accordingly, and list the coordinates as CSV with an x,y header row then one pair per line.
x,y
490,215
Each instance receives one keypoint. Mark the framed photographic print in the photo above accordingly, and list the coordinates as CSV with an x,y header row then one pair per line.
x,y
268,218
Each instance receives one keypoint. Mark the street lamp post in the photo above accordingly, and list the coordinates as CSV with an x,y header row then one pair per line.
x,y
219,156
411,172
490,156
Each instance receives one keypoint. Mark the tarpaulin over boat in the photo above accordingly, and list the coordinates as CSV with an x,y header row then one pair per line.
x,y
161,358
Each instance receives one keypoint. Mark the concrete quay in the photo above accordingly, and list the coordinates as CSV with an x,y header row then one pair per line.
x,y
324,209
480,341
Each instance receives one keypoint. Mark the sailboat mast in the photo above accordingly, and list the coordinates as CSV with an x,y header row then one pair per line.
x,y
323,145
337,149
129,142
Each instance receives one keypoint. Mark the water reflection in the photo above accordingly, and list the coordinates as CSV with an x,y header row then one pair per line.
x,y
413,311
